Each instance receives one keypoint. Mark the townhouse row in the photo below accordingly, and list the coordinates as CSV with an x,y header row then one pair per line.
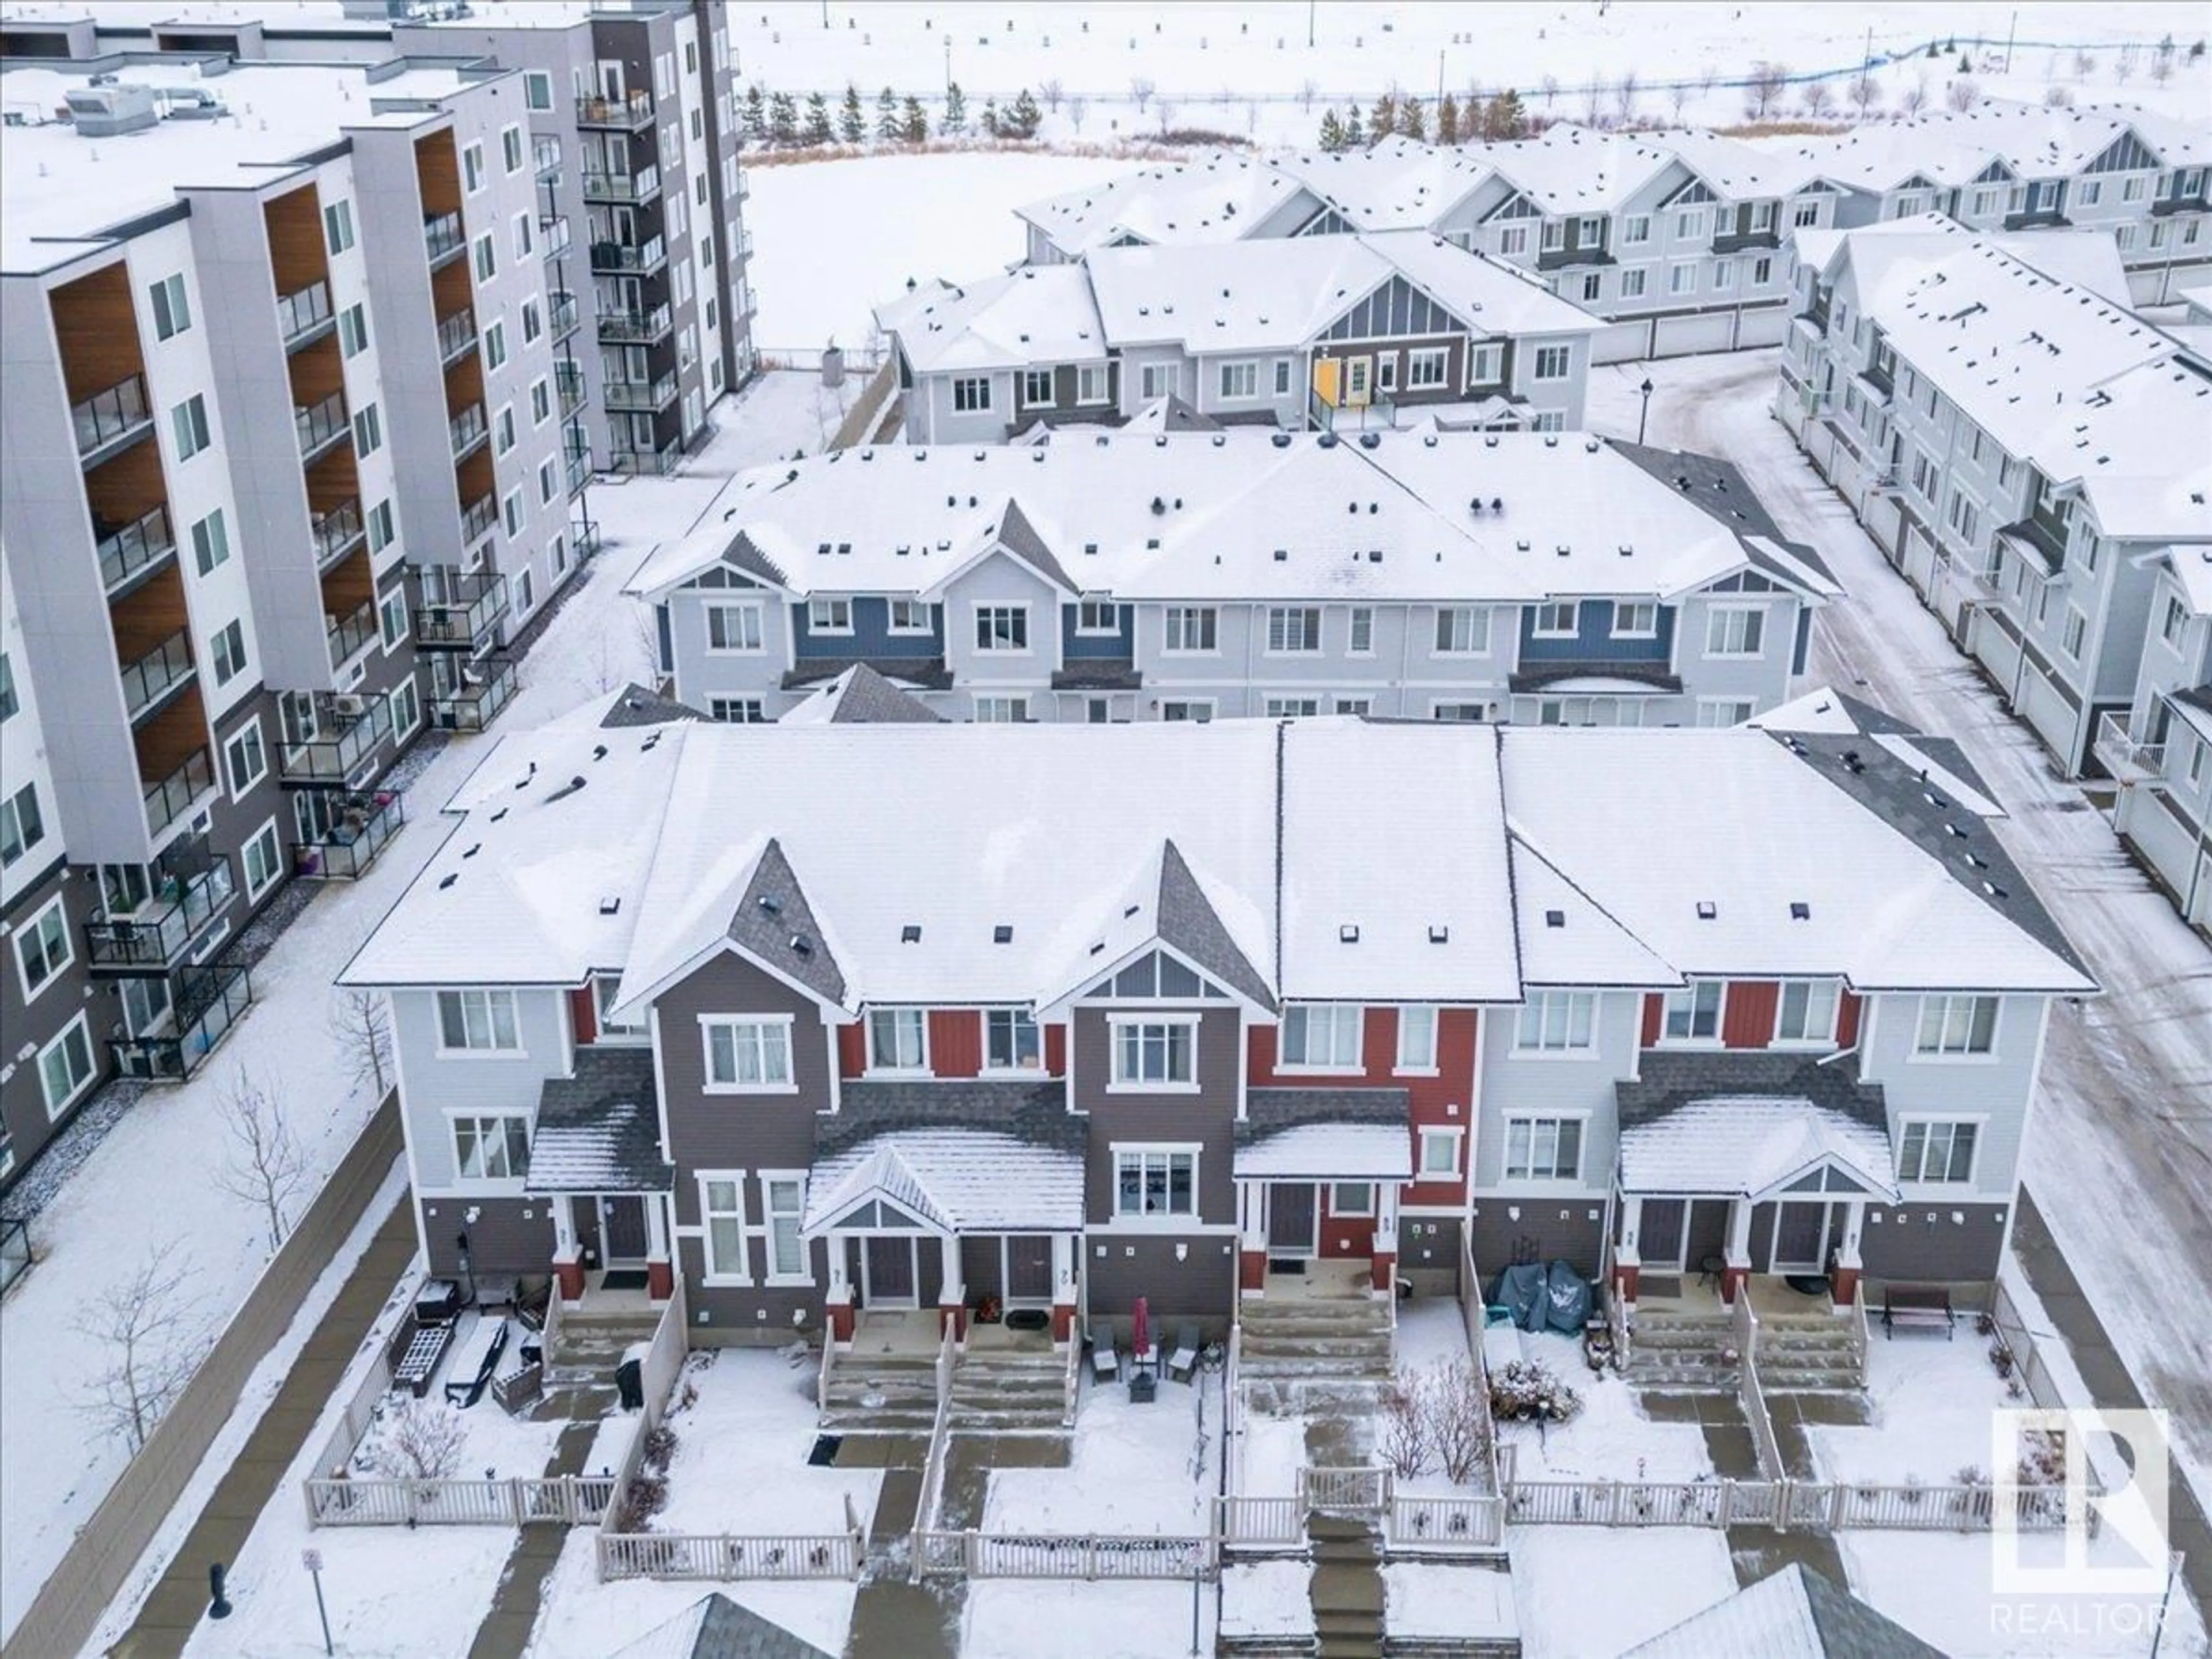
x,y
887,1016
1112,577
2036,460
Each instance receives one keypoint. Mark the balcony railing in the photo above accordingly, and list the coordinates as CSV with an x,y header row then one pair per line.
x,y
154,937
351,634
621,114
467,429
647,462
745,245
642,396
563,316
547,152
337,757
635,327
123,553
364,824
442,235
157,673
108,417
456,334
553,239
477,519
640,186
321,425
463,618
579,463
2127,760
169,799
624,258
304,313
569,381
209,1002
477,702
336,531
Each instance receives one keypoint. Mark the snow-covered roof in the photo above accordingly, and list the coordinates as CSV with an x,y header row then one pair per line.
x,y
2086,258
857,696
1216,198
715,1627
2029,141
1794,1612
1249,514
1400,184
953,1180
1335,1151
1568,169
1030,314
1751,1146
2192,570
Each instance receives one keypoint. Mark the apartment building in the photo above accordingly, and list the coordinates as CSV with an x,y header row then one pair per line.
x,y
2020,447
1106,577
2160,750
279,470
1323,332
1215,1006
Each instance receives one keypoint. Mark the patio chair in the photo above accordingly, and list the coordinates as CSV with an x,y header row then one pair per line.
x,y
1105,1364
1182,1358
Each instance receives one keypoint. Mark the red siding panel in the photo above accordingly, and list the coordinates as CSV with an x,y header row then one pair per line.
x,y
1445,1101
1747,1018
1847,1019
1055,1050
584,1015
956,1041
1378,1044
852,1049
1655,1019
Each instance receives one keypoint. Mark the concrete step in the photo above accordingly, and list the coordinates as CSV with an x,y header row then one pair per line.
x,y
1315,1347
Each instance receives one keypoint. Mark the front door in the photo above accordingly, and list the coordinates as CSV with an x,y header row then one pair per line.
x,y
622,1226
1356,372
1659,1233
887,1274
1801,1238
1029,1269
1293,1218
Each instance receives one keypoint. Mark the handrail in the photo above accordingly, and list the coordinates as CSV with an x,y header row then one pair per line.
x,y
554,238
608,254
562,315
1859,1327
442,234
335,530
635,326
821,1374
641,185
148,678
304,309
1748,1393
642,394
106,416
169,799
152,937
318,423
466,429
933,1478
1071,1378
478,518
124,552
351,633
456,333
633,110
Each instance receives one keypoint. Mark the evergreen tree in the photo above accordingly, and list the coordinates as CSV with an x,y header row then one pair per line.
x,y
1384,121
1504,119
852,125
1448,120
990,121
1355,131
955,110
783,119
818,130
756,116
887,116
914,124
1027,116
1332,132
1413,119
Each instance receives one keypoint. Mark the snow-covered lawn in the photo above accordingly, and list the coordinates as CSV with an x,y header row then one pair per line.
x,y
1609,1439
741,1445
1134,1468
1580,1592
1933,1407
1120,1618
1430,1598
1273,1451
493,1445
579,1617
1429,1328
1266,1598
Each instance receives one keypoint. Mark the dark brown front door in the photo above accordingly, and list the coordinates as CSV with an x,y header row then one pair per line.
x,y
625,1228
1291,1216
890,1272
1659,1232
1801,1233
1029,1267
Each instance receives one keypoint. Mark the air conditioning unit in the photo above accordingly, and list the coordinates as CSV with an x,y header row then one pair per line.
x,y
350,705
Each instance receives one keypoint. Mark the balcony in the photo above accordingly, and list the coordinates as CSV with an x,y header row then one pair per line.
x,y
646,462
147,682
620,258
633,187
467,430
745,245
456,335
635,327
562,315
569,381
135,548
2127,760
553,239
547,152
486,687
478,519
336,532
155,937
342,755
642,397
463,619
579,465
108,420
364,824
750,308
305,315
350,635
1988,591
170,799
209,1002
319,427
443,237
1744,241
615,114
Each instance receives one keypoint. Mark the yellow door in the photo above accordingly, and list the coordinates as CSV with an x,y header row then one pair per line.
x,y
1325,381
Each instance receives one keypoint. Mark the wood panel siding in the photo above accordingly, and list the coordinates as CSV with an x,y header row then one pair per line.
x,y
298,255
853,1049
97,330
1055,1050
956,1041
1654,1019
1747,1016
1847,1019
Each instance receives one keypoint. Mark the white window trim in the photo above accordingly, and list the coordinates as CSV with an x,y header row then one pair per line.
x,y
983,1017
1268,648
1922,1185
239,790
820,630
804,1276
1213,650
1717,1039
1915,1056
1425,1134
1835,1015
868,1025
1426,1067
1650,633
55,969
1239,368
1114,1085
1339,1211
760,627
1028,647
1356,1066
1582,1052
1090,630
268,827
1167,1222
1576,1182
743,1277
1538,629
1478,626
56,1108
891,625
1712,616
708,1085
487,1186
521,1048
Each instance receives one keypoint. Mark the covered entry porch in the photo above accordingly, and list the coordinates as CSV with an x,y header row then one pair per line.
x,y
596,1158
1318,1176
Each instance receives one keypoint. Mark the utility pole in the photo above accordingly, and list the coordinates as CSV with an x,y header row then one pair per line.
x,y
2012,31
1310,25
1440,77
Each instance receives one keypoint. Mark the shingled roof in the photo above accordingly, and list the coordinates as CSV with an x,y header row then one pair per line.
x,y
599,1131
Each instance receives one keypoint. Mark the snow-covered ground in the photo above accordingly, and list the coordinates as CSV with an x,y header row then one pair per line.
x,y
1273,1453
741,1445
1579,1591
1609,1439
579,1617
1429,1328
1266,1598
1133,1469
492,1445
1115,1618
1438,1598
1932,1410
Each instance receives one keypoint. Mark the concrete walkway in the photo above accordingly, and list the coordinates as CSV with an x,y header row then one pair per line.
x,y
506,1629
174,1611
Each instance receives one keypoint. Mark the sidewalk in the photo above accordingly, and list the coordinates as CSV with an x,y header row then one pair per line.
x,y
178,1602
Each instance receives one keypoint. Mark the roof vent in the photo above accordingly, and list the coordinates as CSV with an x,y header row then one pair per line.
x,y
448,881
1002,934
472,849
1994,890
801,945
1475,506
1159,506
1800,911
598,751
1491,441
911,933
1626,548
1563,549
1348,934
1219,439
1521,546
1373,507
1555,918
1374,555
1091,547
1129,911
1096,948
1707,910
1439,934
1160,441
771,905
1282,556
609,903
1496,504
1551,440
1327,441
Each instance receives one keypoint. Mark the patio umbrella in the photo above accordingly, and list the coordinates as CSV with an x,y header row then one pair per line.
x,y
1141,1329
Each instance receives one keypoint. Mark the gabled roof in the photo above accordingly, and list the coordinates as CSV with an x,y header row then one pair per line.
x,y
860,695
1030,314
983,1155
598,1129
1794,1612
1189,923
1567,169
1215,198
715,1627
1752,1146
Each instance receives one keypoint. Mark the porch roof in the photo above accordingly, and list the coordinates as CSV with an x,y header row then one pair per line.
x,y
1325,1134
1756,1147
971,1157
599,1131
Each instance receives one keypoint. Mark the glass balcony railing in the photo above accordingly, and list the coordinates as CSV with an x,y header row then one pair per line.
x,y
302,313
344,741
155,937
478,519
169,799
363,825
640,186
107,417
642,396
579,463
646,462
635,327
208,1002
321,425
622,114
161,671
351,634
486,689
442,235
467,429
336,531
468,607
563,316
136,547
641,259
569,381
553,238
456,334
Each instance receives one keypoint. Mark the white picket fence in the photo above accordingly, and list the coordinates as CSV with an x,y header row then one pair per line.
x,y
567,1500
1259,1523
974,1554
725,1559
1419,1525
1784,1505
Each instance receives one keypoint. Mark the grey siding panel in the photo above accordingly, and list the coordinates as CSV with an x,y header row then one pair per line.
x,y
1428,1251
1577,1240
1707,1232
1122,1266
1921,1242
22,1099
979,1266
1207,1117
439,1087
758,1317
508,1235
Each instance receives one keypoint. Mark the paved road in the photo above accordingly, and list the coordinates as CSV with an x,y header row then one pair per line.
x,y
2119,1157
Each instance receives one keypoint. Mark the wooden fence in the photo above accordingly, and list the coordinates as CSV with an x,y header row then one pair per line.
x,y
1784,1505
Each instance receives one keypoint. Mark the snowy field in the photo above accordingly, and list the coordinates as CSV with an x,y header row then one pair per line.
x,y
1126,1618
1134,1469
1579,1593
741,1446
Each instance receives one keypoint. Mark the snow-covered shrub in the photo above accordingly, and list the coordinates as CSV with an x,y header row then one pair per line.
x,y
1523,1391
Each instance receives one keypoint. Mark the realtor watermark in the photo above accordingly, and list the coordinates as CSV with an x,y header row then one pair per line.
x,y
2041,1472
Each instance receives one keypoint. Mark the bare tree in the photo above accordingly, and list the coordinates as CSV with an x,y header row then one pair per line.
x,y
1052,94
1551,89
266,1166
426,1439
1962,95
2123,66
1251,115
1765,85
1140,91
1309,89
1914,98
1818,96
362,1023
1865,94
1677,96
1167,113
2057,98
151,1341
2085,65
1455,1419
2161,67
1077,107
1592,101
1623,95
1406,1436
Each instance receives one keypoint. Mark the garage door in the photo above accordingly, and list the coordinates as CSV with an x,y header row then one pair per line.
x,y
1769,326
1678,337
1619,342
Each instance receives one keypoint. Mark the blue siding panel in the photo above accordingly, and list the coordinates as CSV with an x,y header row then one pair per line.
x,y
1592,640
1121,643
871,634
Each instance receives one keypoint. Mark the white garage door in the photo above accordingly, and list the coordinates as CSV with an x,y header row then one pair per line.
x,y
1678,337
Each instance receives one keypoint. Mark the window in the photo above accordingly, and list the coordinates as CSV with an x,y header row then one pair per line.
x,y
1240,380
1682,278
1293,628
229,652
784,1206
1002,628
1363,632
747,1055
1197,712
1635,619
1485,364
1002,711
1098,616
367,432
1593,288
971,394
245,758
2075,632
1036,386
65,1066
1155,380
1724,275
1802,214
2135,188
829,616
211,543
1462,712
1351,1198
43,948
1555,234
510,148
1956,1025
1386,372
1010,1041
353,331
510,513
22,828
1324,1037
1543,1148
1762,270
1091,384
537,89
1635,230
487,258
1417,1039
1427,367
264,861
737,711
1155,1181
898,1040
1513,240
1734,631
1462,630
502,429
1439,1153
1937,1151
472,168
912,617
1693,1013
391,618
477,1022
1557,1022
1282,377
2174,623
1191,628
1807,1012
1558,619
495,345
338,227
9,704
1292,708
173,315
491,1148
733,627
2087,193
1553,363
189,422
1155,1054
1632,281
381,529
548,486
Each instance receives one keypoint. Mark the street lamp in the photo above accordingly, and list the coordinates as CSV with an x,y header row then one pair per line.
x,y
1645,414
